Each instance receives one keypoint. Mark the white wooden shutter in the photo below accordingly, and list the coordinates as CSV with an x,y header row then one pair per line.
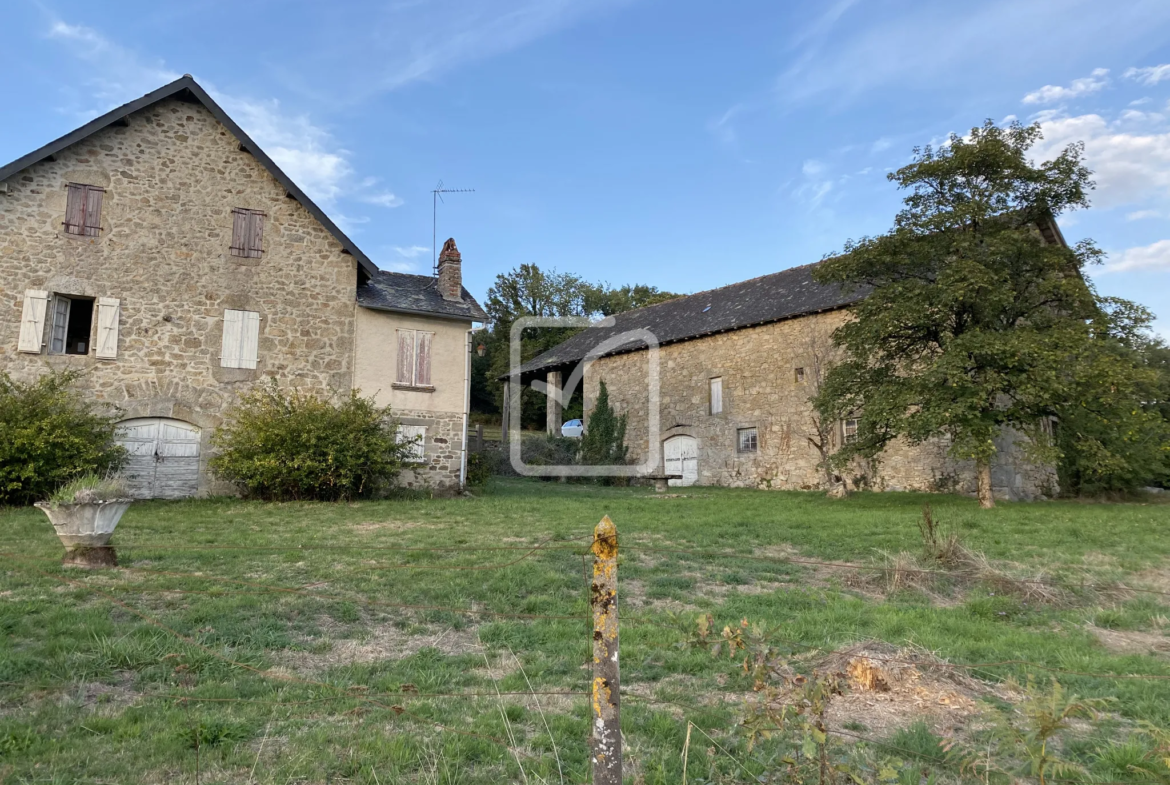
x,y
229,353
417,436
717,395
249,339
405,373
109,310
32,321
422,359
60,324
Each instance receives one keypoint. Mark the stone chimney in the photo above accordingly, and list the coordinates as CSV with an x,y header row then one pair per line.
x,y
451,272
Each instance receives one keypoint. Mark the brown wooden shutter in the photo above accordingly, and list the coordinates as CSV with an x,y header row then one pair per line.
x,y
255,234
239,232
93,210
405,357
422,359
75,209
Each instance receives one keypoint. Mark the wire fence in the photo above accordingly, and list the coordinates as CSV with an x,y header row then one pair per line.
x,y
398,703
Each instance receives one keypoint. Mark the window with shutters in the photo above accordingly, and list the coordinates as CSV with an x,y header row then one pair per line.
x,y
83,210
748,440
416,437
413,367
71,325
716,395
247,233
241,339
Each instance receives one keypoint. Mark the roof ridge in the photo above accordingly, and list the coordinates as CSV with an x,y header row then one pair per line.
x,y
188,83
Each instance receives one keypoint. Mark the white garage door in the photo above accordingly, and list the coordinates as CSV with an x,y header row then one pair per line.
x,y
682,457
164,457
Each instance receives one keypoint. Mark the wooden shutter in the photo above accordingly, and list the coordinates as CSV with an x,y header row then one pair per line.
x,y
417,436
717,395
255,234
405,373
109,310
93,210
239,232
75,209
422,359
32,321
249,339
60,325
229,354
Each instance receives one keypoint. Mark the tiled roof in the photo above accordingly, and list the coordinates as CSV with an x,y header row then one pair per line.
x,y
769,298
387,291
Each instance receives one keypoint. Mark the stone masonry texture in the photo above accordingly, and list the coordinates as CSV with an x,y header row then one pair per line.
x,y
761,390
172,177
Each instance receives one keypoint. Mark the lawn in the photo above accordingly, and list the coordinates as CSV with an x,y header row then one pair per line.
x,y
317,643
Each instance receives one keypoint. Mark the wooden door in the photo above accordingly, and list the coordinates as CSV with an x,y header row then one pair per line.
x,y
163,460
682,457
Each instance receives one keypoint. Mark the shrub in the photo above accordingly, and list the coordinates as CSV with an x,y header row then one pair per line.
x,y
280,445
544,450
481,466
49,435
604,442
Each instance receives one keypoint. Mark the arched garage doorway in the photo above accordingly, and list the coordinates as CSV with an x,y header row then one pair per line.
x,y
681,454
163,460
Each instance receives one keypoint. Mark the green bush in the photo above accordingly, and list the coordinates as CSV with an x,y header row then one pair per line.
x,y
481,466
280,446
544,450
49,435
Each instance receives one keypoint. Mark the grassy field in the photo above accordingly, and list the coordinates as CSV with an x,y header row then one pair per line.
x,y
307,643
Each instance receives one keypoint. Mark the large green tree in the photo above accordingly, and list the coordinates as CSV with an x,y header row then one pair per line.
x,y
975,306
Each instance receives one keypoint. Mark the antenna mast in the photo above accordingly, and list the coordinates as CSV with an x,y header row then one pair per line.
x,y
436,197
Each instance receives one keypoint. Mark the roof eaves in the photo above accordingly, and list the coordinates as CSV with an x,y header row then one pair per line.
x,y
176,87
416,312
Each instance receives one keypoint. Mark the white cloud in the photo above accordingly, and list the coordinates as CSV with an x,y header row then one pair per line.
x,y
1150,75
1138,215
1155,256
305,151
816,184
384,199
411,252
1050,94
1127,167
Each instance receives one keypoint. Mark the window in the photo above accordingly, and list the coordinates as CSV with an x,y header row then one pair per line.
x,y
83,210
800,376
417,436
241,339
717,395
247,233
748,440
414,358
849,430
72,324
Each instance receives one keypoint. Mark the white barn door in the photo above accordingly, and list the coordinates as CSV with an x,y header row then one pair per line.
x,y
682,457
163,460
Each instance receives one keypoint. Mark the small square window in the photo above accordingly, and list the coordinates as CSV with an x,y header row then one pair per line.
x,y
849,430
748,439
800,376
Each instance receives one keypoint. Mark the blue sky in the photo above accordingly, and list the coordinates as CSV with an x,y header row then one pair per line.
x,y
681,144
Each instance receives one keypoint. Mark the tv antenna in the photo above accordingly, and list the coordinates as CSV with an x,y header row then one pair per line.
x,y
436,197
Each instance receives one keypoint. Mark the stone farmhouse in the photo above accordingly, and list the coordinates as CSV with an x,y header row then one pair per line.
x,y
159,251
736,367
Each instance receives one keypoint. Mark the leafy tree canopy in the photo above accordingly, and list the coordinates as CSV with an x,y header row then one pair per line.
x,y
975,306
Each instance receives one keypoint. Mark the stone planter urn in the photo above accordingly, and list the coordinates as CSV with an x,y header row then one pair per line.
x,y
85,530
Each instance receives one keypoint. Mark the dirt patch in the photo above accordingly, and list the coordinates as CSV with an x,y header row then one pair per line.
x,y
380,641
1131,641
1156,578
892,688
373,526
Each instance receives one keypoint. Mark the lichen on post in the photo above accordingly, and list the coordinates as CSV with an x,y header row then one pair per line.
x,y
606,698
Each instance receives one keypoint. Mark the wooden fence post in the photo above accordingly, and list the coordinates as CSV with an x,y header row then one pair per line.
x,y
606,699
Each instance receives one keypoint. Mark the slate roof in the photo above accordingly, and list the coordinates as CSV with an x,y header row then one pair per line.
x,y
387,291
769,298
185,88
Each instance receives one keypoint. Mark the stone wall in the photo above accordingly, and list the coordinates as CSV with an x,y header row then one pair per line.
x,y
172,177
763,390
443,446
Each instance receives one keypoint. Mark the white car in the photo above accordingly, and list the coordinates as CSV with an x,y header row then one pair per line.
x,y
573,429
